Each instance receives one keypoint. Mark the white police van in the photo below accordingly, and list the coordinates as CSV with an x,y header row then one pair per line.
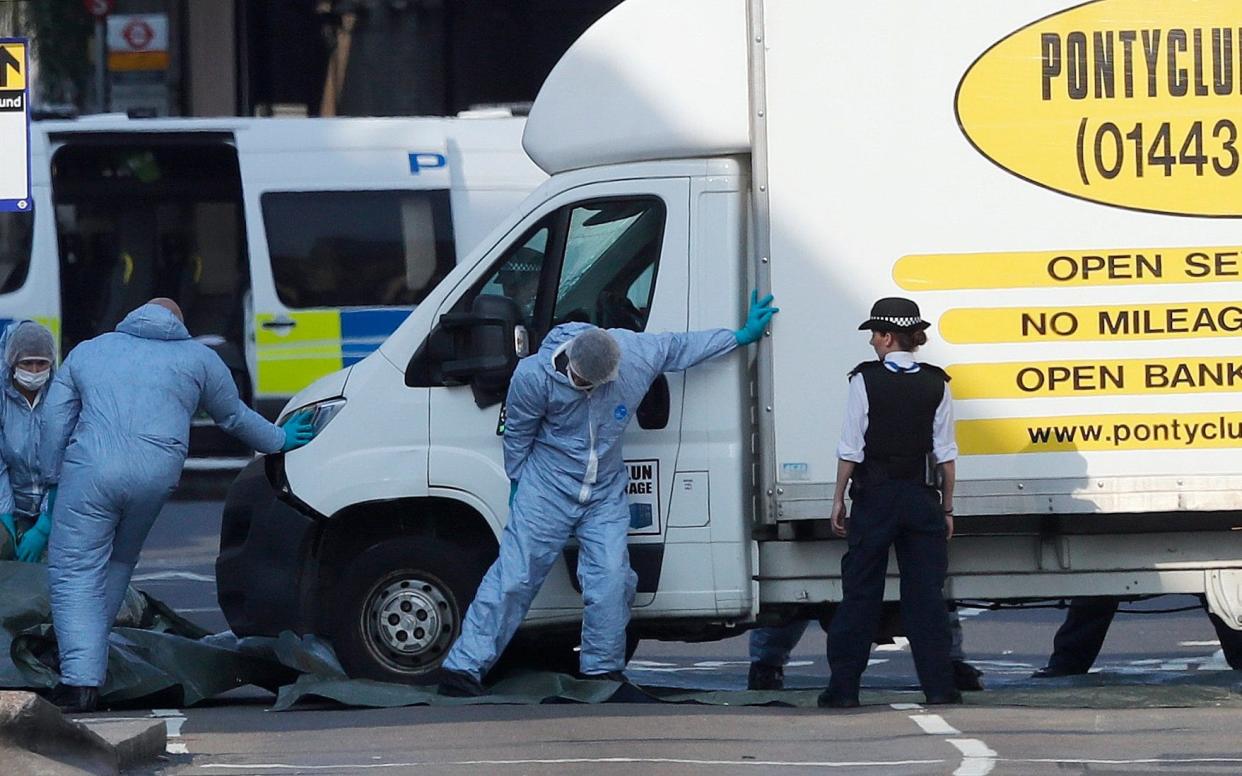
x,y
295,246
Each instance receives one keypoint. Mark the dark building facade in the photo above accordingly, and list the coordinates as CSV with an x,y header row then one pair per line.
x,y
400,57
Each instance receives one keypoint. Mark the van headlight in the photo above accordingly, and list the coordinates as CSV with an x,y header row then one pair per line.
x,y
322,412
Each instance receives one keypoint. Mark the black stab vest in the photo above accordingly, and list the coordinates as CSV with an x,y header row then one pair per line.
x,y
901,413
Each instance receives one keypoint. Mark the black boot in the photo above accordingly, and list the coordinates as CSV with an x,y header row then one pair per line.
x,y
966,677
459,684
765,677
74,700
609,676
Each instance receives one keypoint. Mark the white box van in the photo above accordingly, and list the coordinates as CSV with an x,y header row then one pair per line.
x,y
295,245
1057,201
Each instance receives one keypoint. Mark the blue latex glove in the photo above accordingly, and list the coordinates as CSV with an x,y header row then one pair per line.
x,y
7,521
298,431
757,319
51,498
34,542
512,491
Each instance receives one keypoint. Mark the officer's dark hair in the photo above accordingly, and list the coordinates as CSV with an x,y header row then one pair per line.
x,y
910,340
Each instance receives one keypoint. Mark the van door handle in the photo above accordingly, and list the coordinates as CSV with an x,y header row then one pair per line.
x,y
280,322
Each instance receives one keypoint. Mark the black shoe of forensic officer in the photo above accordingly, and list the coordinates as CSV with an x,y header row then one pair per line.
x,y
608,676
830,700
765,677
74,700
966,677
458,684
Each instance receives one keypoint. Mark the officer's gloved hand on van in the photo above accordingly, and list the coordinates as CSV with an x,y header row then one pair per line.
x,y
299,429
34,541
757,319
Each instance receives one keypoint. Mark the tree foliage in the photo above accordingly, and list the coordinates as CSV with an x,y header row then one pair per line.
x,y
60,33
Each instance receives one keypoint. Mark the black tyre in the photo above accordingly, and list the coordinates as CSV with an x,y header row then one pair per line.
x,y
399,607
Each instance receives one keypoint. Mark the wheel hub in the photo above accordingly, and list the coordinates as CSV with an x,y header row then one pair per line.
x,y
410,618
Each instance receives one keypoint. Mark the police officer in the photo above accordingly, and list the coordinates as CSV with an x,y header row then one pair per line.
x,y
898,426
1081,636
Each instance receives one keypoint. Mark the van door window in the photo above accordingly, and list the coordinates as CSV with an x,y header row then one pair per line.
x,y
519,272
612,248
358,248
16,232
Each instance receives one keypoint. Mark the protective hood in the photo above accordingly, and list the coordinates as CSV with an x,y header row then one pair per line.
x,y
153,322
556,341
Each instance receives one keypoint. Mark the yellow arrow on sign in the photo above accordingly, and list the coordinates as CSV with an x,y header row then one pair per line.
x,y
12,56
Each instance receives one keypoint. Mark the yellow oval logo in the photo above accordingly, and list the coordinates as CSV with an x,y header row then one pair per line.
x,y
1131,103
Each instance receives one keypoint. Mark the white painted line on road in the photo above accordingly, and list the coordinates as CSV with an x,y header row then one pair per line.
x,y
899,643
905,706
1212,643
934,725
1139,761
246,767
977,758
166,576
173,720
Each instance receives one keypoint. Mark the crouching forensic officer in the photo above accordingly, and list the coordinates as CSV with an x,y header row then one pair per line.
x,y
898,431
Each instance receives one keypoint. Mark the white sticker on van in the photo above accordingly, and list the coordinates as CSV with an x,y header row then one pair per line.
x,y
644,493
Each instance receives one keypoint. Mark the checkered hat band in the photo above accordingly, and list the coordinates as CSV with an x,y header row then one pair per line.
x,y
898,321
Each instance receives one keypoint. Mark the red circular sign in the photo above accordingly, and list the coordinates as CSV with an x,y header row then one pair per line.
x,y
138,34
98,7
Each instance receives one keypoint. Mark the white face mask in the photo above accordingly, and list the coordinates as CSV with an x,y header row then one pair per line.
x,y
31,381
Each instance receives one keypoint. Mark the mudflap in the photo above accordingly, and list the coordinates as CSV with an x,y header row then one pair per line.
x,y
1224,595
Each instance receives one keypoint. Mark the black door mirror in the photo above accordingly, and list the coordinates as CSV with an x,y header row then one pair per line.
x,y
654,409
481,347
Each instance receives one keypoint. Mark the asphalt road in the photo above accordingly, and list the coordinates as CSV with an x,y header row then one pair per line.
x,y
235,734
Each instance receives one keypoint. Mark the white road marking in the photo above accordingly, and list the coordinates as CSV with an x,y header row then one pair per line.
x,y
905,706
977,758
245,767
1212,643
173,720
899,643
167,576
934,725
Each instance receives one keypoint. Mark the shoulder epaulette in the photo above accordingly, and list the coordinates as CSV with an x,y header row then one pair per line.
x,y
937,370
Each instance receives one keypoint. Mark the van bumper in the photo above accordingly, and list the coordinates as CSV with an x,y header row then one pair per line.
x,y
266,571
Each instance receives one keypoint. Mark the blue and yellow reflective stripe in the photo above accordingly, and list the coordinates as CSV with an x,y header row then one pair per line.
x,y
321,342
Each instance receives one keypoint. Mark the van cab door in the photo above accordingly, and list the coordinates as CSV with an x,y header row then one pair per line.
x,y
612,254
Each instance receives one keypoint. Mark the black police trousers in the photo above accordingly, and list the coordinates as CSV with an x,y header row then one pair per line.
x,y
1081,636
905,516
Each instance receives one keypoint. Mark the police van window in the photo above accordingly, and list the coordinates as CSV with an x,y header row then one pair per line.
x,y
16,232
612,249
518,275
358,248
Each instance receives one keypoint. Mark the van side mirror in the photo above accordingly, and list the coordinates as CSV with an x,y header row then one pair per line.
x,y
481,347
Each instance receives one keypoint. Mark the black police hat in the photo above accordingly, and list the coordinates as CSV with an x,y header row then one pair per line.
x,y
893,313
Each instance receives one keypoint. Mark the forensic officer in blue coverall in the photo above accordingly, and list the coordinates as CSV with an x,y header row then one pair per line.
x,y
898,424
567,408
25,495
118,420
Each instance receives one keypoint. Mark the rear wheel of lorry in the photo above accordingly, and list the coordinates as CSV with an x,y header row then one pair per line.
x,y
399,607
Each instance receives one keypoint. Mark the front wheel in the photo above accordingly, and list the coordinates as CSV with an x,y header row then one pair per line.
x,y
400,606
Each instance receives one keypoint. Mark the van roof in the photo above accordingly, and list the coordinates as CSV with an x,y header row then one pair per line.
x,y
652,79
